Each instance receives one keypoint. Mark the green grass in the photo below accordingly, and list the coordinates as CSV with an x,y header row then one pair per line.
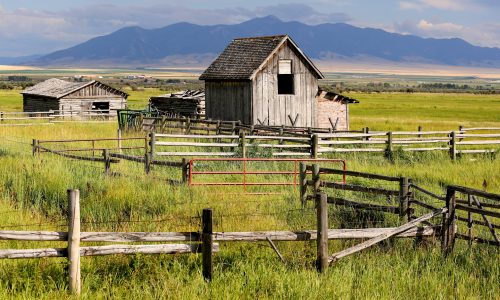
x,y
33,193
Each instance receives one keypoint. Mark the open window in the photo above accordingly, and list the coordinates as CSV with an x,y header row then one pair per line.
x,y
285,77
100,106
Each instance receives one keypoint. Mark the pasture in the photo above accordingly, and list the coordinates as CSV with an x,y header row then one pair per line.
x,y
33,197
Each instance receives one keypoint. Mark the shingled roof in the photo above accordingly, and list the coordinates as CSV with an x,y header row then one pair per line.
x,y
243,57
57,88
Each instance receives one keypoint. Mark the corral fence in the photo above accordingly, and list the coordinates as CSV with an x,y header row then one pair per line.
x,y
466,207
55,116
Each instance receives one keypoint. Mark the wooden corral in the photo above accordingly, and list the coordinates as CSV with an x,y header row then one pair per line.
x,y
73,97
190,104
262,80
332,110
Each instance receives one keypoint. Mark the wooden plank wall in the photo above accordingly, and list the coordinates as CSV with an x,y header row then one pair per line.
x,y
83,99
274,108
33,103
228,100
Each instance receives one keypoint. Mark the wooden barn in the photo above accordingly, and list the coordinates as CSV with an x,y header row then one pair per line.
x,y
332,110
73,97
262,80
187,103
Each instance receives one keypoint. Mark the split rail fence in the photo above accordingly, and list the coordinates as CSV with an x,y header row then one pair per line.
x,y
54,116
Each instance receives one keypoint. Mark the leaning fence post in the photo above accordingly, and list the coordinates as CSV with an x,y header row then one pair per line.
x,y
207,243
314,146
403,196
322,234
35,146
448,228
303,183
107,161
453,146
74,241
243,145
147,163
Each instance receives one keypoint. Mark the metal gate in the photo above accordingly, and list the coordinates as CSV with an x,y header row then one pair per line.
x,y
246,171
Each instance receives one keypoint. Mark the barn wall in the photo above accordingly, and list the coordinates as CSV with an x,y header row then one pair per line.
x,y
334,110
274,109
33,103
228,100
83,99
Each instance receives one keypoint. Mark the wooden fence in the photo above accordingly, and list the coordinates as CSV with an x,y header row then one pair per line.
x,y
479,208
54,116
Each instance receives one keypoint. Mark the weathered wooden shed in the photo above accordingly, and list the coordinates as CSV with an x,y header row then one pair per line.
x,y
73,97
332,110
189,103
262,80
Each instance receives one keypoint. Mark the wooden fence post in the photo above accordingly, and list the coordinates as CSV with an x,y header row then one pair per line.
x,y
185,169
74,241
243,145
367,131
152,142
207,243
388,150
448,228
453,146
303,183
35,147
314,146
316,179
419,130
147,163
322,234
403,196
119,136
188,125
107,161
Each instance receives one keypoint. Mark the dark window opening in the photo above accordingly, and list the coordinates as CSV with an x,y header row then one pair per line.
x,y
285,84
100,106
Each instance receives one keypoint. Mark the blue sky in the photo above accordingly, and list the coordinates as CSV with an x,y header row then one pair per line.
x,y
41,26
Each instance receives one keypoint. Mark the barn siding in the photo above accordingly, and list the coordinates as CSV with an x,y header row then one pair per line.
x,y
82,99
33,103
275,108
228,100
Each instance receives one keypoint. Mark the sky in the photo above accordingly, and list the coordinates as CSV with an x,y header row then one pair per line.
x,y
30,27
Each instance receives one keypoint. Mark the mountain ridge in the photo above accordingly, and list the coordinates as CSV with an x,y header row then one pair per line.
x,y
200,43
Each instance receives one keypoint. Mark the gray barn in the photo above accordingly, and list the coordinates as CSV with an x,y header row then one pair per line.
x,y
262,80
73,97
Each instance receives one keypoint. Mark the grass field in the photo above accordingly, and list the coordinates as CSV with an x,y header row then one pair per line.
x,y
33,193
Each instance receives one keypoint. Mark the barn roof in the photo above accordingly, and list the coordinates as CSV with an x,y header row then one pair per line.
x,y
331,96
57,88
243,57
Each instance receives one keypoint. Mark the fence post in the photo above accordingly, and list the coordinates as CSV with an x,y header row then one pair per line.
x,y
453,146
74,241
35,147
303,183
119,136
314,146
107,161
419,130
322,234
207,243
185,169
147,163
367,131
403,196
448,228
316,179
388,150
152,142
188,125
243,144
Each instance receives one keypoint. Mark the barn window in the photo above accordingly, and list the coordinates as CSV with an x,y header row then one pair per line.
x,y
285,77
100,106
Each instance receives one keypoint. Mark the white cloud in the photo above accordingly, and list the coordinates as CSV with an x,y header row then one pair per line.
x,y
439,27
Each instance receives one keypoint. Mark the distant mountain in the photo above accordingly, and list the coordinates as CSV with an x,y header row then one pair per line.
x,y
18,59
188,44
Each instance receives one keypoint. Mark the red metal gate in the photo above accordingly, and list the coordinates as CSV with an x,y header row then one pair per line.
x,y
245,172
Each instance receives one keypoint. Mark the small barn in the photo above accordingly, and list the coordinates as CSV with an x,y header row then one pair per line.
x,y
262,80
332,110
73,97
189,103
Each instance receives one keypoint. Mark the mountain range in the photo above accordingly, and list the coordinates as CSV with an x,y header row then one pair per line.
x,y
191,44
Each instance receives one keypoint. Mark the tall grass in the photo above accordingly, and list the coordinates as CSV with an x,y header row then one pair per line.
x,y
32,191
